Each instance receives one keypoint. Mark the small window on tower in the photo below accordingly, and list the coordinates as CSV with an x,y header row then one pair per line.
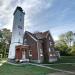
x,y
20,27
19,33
20,19
19,40
20,14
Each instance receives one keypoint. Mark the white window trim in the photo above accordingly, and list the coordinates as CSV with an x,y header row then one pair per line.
x,y
49,49
51,55
41,52
32,37
29,53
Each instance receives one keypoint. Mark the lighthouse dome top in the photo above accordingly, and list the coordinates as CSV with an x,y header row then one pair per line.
x,y
20,9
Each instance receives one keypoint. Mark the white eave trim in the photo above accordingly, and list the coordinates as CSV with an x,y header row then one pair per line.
x,y
32,37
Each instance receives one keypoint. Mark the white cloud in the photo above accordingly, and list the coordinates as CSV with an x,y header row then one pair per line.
x,y
31,7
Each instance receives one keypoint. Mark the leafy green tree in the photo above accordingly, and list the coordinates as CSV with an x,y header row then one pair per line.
x,y
73,50
67,38
64,44
63,48
5,37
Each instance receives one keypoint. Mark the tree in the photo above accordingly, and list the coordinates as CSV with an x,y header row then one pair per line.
x,y
62,48
5,36
64,44
67,38
73,50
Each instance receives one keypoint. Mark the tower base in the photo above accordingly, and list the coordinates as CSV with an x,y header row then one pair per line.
x,y
12,48
11,60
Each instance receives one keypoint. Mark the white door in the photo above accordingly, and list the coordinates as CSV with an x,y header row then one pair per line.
x,y
23,54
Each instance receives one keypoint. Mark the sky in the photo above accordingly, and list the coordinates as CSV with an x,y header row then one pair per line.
x,y
57,16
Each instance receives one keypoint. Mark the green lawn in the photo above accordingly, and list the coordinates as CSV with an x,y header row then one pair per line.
x,y
27,69
66,59
67,67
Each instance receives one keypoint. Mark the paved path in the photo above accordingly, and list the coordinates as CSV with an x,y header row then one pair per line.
x,y
59,73
57,63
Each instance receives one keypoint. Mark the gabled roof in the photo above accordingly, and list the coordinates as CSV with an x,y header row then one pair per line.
x,y
39,35
31,35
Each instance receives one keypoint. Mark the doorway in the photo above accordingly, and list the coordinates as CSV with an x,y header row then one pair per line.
x,y
23,54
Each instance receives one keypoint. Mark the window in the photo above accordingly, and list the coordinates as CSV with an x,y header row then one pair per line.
x,y
49,38
30,52
51,55
19,33
20,19
54,54
20,14
20,27
25,40
51,43
41,52
49,50
19,41
52,49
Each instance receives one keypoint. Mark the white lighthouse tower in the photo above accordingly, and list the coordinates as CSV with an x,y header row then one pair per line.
x,y
17,32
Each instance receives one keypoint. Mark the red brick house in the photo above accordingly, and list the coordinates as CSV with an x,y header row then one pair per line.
x,y
37,47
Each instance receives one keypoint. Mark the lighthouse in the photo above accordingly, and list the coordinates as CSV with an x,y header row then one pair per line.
x,y
17,32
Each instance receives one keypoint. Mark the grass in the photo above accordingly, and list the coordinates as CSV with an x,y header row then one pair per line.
x,y
27,69
63,59
67,67
66,59
66,63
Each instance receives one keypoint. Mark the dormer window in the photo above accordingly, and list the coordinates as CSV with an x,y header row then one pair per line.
x,y
25,41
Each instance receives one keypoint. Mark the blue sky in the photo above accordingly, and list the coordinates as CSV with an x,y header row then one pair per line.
x,y
58,16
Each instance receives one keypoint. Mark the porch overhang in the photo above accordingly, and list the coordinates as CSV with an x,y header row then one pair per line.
x,y
22,53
